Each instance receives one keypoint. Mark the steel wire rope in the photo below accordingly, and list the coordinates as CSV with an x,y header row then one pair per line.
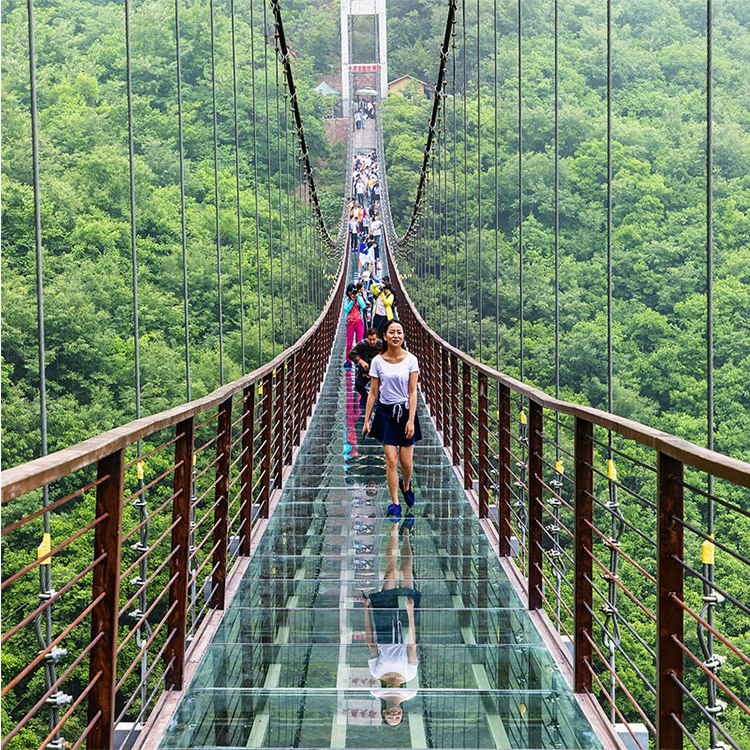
x,y
183,217
141,502
256,186
237,183
455,185
216,193
497,198
289,222
465,206
479,193
272,291
612,637
520,197
705,636
45,570
278,181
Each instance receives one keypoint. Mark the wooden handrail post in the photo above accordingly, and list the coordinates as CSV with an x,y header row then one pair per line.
x,y
669,614
247,467
504,475
291,415
278,429
466,377
446,392
106,583
437,363
221,512
455,411
583,574
483,440
266,438
536,520
180,563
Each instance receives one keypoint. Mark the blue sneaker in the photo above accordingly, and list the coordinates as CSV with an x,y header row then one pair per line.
x,y
407,523
393,513
408,495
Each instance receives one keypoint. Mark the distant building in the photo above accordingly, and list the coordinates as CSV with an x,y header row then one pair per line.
x,y
410,87
330,87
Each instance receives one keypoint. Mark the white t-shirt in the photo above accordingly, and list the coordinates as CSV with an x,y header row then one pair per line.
x,y
353,226
393,657
375,226
394,378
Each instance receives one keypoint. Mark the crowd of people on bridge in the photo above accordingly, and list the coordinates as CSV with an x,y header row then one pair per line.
x,y
386,372
364,111
386,382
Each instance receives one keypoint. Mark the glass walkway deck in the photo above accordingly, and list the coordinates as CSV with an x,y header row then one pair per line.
x,y
288,666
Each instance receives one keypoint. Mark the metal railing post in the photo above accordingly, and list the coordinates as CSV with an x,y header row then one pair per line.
x,y
266,438
536,520
278,429
106,588
180,563
437,363
291,390
221,513
455,411
504,476
483,442
248,468
669,613
584,517
446,392
466,377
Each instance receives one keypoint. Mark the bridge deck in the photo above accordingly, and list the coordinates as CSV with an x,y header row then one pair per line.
x,y
288,666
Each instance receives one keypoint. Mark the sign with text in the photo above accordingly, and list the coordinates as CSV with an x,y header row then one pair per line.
x,y
364,68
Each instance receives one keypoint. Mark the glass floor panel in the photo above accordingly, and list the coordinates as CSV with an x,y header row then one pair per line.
x,y
290,664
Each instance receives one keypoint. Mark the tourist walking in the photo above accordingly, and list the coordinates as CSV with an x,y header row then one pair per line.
x,y
355,308
393,380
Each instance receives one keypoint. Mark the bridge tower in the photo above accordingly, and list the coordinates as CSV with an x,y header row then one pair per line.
x,y
349,69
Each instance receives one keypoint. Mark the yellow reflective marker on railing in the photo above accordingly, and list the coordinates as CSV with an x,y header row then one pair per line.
x,y
523,417
139,467
707,552
611,470
44,549
559,467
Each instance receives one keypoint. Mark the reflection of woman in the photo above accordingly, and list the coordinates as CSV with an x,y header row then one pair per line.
x,y
390,628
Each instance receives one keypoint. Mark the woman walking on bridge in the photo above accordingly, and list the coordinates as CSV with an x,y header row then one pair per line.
x,y
393,377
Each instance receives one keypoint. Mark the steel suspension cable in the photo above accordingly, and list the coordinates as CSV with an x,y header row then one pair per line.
x,y
237,183
557,224
141,502
497,197
705,636
278,184
520,197
455,186
479,192
45,570
465,244
272,291
216,194
183,217
256,186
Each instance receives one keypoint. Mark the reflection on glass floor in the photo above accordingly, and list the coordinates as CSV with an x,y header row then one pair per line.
x,y
291,665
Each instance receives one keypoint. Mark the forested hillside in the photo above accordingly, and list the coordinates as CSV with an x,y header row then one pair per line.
x,y
85,204
659,202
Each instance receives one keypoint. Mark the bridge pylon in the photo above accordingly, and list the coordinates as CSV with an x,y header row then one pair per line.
x,y
350,9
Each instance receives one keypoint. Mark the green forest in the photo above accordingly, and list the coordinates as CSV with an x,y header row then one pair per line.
x,y
85,213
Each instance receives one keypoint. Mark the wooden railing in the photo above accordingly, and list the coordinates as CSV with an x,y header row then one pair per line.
x,y
614,537
208,469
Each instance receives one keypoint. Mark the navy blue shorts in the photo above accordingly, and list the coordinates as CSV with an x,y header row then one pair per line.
x,y
387,615
389,425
